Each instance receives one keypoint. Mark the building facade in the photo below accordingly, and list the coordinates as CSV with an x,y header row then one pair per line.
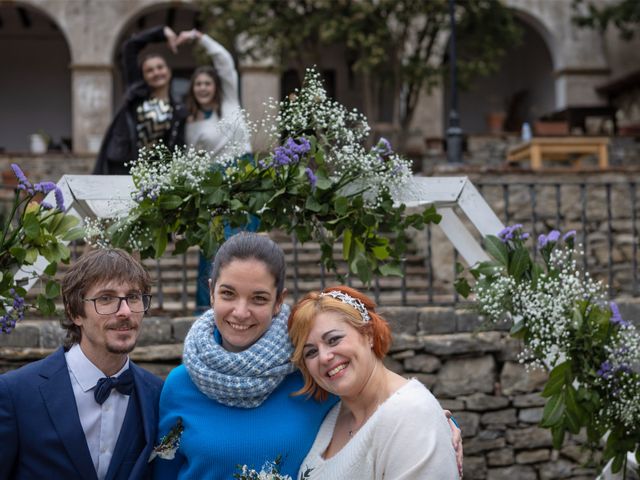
x,y
62,77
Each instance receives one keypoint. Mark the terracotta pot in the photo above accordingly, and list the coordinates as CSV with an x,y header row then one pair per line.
x,y
550,128
495,121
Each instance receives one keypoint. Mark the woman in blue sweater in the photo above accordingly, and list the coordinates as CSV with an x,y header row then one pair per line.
x,y
233,393
233,390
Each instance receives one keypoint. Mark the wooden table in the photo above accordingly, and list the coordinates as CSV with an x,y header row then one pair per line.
x,y
560,148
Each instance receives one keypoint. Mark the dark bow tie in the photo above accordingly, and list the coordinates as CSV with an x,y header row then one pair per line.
x,y
122,383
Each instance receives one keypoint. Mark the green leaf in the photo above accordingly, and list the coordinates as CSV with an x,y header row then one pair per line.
x,y
381,252
160,243
340,205
462,287
66,223
75,233
497,249
45,305
618,462
51,269
170,202
519,263
31,226
313,205
557,436
391,269
52,289
347,237
19,253
558,377
553,411
31,256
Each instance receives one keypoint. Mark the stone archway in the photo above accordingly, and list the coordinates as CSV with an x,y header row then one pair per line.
x,y
522,90
35,85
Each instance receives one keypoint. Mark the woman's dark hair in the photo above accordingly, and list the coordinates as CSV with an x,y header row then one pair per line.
x,y
251,246
192,103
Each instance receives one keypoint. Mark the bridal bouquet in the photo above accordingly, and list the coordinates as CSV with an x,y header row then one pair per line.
x,y
32,228
318,181
569,327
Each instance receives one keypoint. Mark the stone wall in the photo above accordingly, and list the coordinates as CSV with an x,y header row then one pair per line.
x,y
473,372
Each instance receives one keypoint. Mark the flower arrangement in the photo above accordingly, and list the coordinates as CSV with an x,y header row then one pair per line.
x,y
32,229
318,181
567,326
269,471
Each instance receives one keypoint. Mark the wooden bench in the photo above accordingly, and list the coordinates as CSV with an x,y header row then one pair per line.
x,y
560,148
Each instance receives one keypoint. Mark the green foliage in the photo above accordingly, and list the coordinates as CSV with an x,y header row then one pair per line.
x,y
623,15
395,45
29,231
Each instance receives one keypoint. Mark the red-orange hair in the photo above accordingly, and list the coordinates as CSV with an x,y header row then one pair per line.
x,y
303,316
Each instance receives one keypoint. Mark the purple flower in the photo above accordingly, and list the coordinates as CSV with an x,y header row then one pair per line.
x,y
20,175
568,235
290,152
606,370
507,233
281,157
46,205
553,236
298,148
383,147
59,199
524,236
44,187
312,177
616,318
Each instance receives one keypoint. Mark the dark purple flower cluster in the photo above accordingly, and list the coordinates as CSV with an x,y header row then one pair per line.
x,y
313,179
23,182
41,187
616,318
9,319
383,148
289,153
608,370
512,232
554,236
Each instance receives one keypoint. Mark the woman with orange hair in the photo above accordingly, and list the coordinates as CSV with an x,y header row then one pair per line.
x,y
385,426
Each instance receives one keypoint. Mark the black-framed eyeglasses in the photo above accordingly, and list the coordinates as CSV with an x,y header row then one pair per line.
x,y
110,304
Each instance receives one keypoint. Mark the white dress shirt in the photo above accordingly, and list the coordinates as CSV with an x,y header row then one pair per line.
x,y
101,423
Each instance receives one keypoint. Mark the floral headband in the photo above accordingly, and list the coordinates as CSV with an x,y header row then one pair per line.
x,y
352,302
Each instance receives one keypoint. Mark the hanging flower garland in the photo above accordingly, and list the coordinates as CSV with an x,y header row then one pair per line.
x,y
568,327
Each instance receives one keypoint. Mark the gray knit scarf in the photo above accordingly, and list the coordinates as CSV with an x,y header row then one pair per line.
x,y
243,379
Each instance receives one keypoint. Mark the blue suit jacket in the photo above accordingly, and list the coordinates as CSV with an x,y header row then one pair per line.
x,y
40,431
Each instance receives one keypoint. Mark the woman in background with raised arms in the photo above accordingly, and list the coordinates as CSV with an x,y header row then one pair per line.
x,y
385,426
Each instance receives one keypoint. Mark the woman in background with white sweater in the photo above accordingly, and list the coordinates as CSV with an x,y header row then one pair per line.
x,y
215,124
215,121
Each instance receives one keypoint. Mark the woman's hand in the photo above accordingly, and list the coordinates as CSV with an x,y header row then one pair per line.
x,y
172,39
456,440
188,36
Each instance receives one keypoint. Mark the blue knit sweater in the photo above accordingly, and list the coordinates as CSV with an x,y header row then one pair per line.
x,y
217,438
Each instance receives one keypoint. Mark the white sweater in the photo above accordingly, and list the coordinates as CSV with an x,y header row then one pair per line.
x,y
407,438
214,134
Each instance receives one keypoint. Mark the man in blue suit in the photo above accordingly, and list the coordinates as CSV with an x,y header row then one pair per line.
x,y
86,411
